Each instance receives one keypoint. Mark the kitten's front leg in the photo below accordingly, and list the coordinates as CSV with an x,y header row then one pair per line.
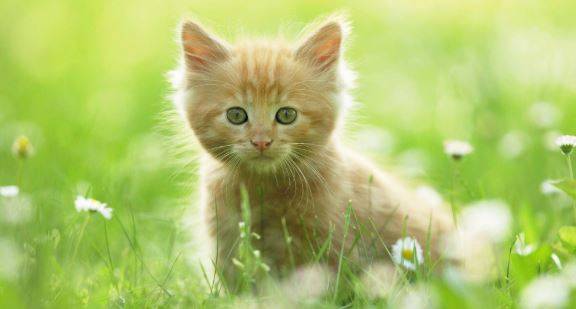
x,y
222,227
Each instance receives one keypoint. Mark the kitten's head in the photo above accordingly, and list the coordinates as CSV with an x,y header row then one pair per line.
x,y
259,103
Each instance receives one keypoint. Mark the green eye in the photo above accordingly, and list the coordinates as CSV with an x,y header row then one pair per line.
x,y
236,115
286,115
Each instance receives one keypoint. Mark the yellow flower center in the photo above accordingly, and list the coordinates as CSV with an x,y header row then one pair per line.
x,y
22,148
408,254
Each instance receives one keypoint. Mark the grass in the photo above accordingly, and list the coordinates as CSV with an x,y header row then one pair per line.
x,y
84,81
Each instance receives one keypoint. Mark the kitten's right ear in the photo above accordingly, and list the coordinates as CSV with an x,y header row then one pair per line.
x,y
323,48
201,49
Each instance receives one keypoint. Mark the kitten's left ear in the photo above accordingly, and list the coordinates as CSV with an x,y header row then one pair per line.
x,y
201,49
324,47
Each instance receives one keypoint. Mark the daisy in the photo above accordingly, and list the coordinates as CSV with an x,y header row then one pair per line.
x,y
544,114
457,149
9,191
414,162
16,209
487,218
513,144
520,246
22,148
12,260
308,283
419,296
566,143
88,204
407,252
545,292
569,274
473,255
547,188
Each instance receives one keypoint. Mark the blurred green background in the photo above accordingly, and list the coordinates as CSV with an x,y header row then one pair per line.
x,y
85,81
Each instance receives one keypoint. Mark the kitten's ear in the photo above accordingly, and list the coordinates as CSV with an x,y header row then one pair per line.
x,y
201,49
324,47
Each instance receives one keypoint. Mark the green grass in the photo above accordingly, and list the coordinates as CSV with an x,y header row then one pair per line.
x,y
84,80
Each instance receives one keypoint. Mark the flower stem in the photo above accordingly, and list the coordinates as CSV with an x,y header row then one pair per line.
x,y
20,173
80,237
570,170
571,173
453,193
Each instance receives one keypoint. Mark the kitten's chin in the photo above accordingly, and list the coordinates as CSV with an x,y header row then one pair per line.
x,y
263,163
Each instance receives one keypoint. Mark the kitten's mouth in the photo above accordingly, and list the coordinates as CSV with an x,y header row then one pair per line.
x,y
264,160
264,157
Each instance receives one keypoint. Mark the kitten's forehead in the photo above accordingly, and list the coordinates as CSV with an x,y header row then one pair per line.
x,y
265,71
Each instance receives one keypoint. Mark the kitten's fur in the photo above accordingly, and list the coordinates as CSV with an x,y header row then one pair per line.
x,y
306,177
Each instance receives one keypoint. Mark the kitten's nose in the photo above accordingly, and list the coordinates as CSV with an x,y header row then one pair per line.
x,y
261,144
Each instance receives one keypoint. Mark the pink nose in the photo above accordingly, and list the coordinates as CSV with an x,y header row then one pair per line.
x,y
261,144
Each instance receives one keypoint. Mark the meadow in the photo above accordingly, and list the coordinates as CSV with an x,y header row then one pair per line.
x,y
84,82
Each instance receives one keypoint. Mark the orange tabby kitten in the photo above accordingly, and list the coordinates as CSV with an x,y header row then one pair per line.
x,y
268,116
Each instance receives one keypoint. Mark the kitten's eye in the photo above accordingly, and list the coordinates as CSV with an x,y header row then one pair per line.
x,y
237,115
286,115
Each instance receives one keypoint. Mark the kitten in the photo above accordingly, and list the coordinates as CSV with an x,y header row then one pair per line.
x,y
268,115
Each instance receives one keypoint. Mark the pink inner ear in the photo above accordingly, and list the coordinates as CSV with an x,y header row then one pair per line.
x,y
197,55
199,49
194,47
328,50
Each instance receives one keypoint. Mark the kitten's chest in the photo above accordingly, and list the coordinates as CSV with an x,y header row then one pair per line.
x,y
286,236
284,225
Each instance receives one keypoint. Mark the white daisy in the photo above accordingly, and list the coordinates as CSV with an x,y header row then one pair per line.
x,y
92,205
544,114
566,143
513,144
481,225
414,162
307,283
12,260
407,252
548,188
417,297
22,148
569,274
15,210
488,218
9,191
473,254
457,149
545,292
520,246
